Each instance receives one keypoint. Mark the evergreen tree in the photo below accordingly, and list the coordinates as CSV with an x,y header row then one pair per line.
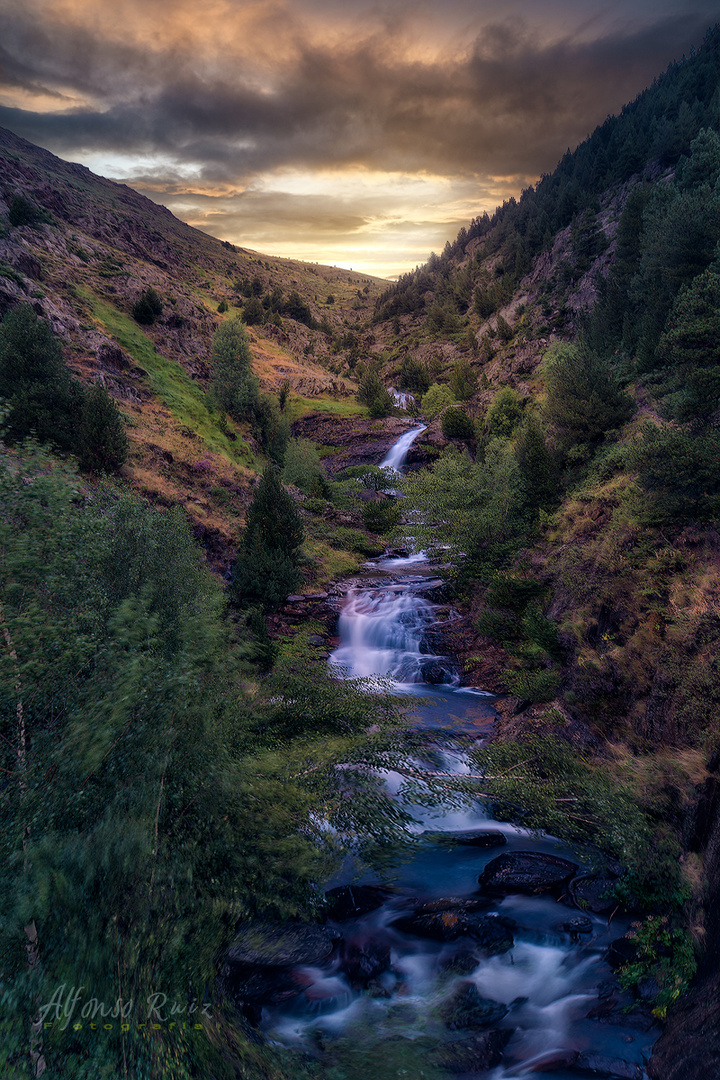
x,y
103,442
535,461
42,396
690,348
148,307
584,399
267,566
234,385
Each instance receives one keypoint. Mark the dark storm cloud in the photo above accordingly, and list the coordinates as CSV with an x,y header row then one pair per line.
x,y
509,104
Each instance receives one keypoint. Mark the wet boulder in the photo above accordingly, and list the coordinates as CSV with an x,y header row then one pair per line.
x,y
474,1054
269,945
492,934
249,989
352,901
530,872
467,1010
576,927
591,893
363,959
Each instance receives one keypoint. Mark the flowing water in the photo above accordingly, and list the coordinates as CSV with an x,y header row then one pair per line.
x,y
552,988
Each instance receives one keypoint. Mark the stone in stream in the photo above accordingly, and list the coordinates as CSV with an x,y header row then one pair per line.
x,y
468,1010
362,959
267,945
352,901
249,989
475,1054
491,933
482,838
594,894
529,872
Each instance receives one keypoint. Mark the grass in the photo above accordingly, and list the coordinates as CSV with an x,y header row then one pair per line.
x,y
300,406
183,397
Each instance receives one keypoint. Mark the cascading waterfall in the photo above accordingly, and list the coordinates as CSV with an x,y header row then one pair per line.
x,y
553,1017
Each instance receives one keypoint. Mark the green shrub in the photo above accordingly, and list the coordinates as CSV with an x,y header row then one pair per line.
x,y
435,400
456,424
505,413
103,442
540,684
381,515
148,307
25,212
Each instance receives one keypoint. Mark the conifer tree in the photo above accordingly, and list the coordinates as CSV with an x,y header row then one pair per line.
x,y
234,385
103,442
42,395
267,566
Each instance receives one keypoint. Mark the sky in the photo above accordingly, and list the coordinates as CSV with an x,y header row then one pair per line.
x,y
348,132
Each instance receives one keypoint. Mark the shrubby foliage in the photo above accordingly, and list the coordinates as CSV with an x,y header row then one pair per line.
x,y
435,400
456,424
148,307
149,803
103,442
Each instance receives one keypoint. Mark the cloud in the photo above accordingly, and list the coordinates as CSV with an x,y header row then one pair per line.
x,y
238,91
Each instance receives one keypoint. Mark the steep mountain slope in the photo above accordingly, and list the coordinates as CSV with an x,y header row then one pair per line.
x,y
83,250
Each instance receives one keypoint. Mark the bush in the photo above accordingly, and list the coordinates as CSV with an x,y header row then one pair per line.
x,y
222,307
372,392
437,398
584,399
42,396
381,515
456,424
25,212
538,685
505,413
234,385
148,307
303,468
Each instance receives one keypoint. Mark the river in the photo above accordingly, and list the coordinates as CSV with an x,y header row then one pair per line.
x,y
522,987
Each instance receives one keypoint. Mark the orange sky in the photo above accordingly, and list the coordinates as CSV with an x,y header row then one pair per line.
x,y
361,134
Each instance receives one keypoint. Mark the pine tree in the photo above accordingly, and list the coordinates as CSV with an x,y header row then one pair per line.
x,y
267,566
42,395
234,385
103,442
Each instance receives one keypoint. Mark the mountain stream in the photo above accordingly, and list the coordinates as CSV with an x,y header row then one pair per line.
x,y
433,977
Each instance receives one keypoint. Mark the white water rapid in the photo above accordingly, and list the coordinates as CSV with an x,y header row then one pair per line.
x,y
555,1007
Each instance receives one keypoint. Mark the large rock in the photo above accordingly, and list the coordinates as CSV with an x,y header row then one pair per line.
x,y
492,934
352,901
602,1065
475,1054
594,894
267,945
528,872
363,959
468,1010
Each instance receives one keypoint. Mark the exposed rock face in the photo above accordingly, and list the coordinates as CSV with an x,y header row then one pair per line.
x,y
468,1010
